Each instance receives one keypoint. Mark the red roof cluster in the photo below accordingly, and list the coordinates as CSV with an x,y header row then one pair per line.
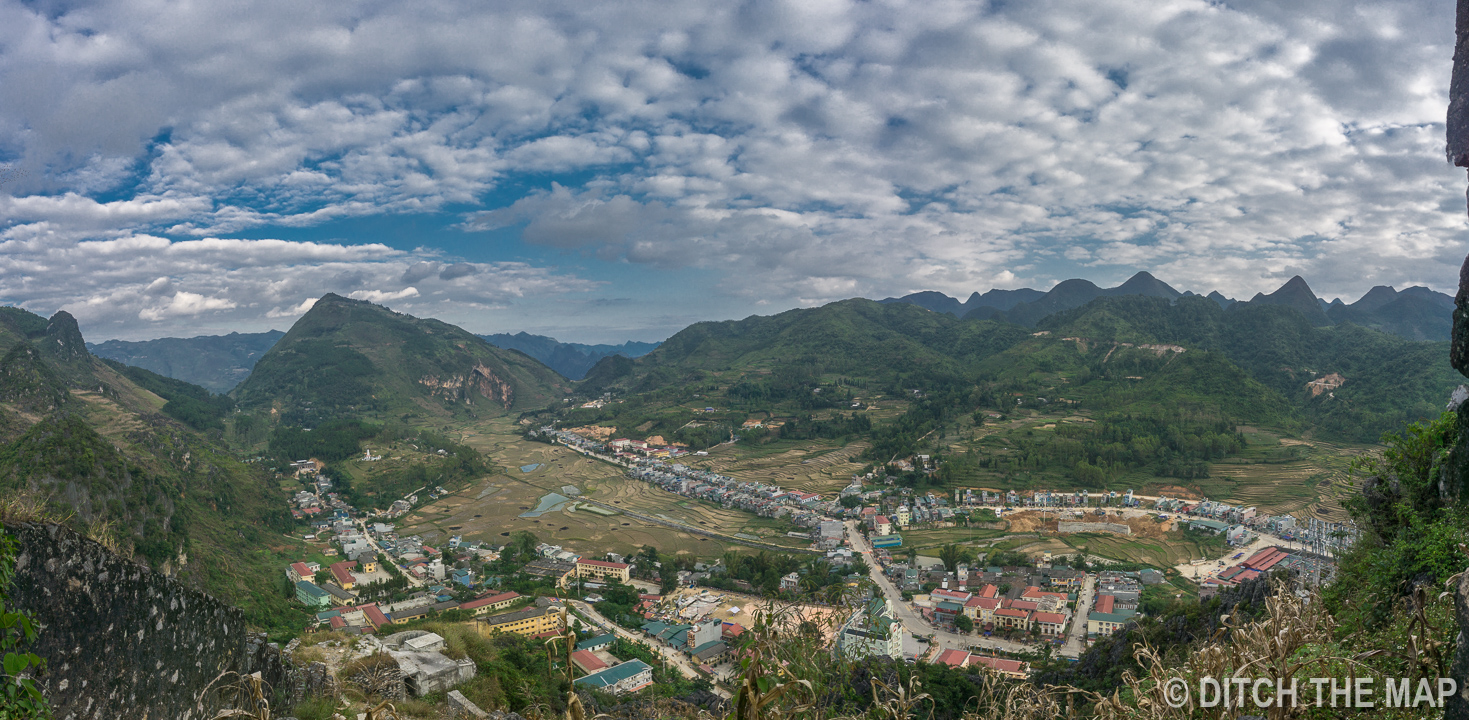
x,y
604,564
1265,559
341,572
484,600
953,658
1104,603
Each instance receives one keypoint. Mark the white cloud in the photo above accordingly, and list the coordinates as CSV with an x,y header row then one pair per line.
x,y
797,151
185,303
379,296
292,312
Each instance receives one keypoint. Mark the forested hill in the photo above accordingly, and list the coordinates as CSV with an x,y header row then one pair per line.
x,y
112,457
571,360
214,362
1253,362
351,358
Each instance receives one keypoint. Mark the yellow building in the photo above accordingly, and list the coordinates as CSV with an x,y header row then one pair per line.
x,y
369,566
528,622
600,569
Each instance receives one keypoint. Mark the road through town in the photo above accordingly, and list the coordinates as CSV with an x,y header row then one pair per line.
x,y
915,624
673,657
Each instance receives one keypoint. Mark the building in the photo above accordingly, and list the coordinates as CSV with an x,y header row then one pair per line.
x,y
554,570
431,671
339,596
1017,669
528,622
342,573
1013,618
631,676
1050,623
886,541
603,570
489,603
588,662
710,652
312,596
1100,624
873,630
600,642
298,571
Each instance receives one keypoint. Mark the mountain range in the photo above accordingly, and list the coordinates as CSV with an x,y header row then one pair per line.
x,y
215,362
1416,313
571,360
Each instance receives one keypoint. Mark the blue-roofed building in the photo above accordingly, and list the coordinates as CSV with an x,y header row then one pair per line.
x,y
596,643
463,576
312,596
631,676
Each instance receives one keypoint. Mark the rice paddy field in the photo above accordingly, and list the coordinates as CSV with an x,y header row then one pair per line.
x,y
809,466
493,508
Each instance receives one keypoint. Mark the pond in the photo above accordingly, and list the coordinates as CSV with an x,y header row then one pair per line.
x,y
549,503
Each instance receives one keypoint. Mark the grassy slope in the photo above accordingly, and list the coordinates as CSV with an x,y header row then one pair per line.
x,y
134,477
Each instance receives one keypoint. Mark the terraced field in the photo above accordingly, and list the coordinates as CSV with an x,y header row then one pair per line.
x,y
491,508
808,466
1173,550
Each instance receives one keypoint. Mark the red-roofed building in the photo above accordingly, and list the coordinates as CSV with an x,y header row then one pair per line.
x,y
1265,559
730,631
1012,617
953,658
486,603
587,661
881,525
342,573
1027,605
298,572
1050,623
338,623
989,591
374,615
602,569
1104,604
1010,668
982,608
950,595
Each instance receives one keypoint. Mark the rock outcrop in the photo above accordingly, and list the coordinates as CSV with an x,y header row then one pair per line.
x,y
1455,470
123,641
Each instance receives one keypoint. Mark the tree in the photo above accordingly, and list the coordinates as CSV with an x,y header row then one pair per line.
x,y
950,555
850,501
963,624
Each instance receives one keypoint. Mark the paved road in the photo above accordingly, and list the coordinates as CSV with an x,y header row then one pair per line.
x,y
674,657
1077,632
912,621
415,582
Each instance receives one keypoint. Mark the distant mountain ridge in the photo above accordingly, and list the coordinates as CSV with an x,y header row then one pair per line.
x,y
215,362
1416,313
571,360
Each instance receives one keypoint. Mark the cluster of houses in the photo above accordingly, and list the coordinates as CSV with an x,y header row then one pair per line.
x,y
802,508
1017,669
1022,610
1313,569
980,497
621,448
1117,598
703,641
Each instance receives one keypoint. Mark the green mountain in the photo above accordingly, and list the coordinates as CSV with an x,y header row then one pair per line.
x,y
215,362
351,358
95,447
570,360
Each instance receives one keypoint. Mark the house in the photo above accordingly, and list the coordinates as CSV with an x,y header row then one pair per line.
x,y
710,652
528,622
342,573
790,582
881,525
339,596
1013,618
588,662
631,676
312,596
555,570
600,642
603,570
1050,623
1100,623
463,576
1017,669
488,603
374,615
953,658
297,571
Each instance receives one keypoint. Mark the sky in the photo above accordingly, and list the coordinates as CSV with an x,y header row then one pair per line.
x,y
612,171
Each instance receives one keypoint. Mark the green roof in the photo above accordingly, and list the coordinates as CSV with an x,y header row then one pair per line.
x,y
706,646
311,590
1117,617
597,641
951,606
613,675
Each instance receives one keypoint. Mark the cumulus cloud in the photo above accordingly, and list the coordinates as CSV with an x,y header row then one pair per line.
x,y
379,296
185,303
799,152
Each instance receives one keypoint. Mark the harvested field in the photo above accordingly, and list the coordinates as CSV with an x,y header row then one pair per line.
x,y
808,466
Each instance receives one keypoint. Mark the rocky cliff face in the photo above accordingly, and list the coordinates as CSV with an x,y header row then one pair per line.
x,y
123,641
461,388
1452,480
